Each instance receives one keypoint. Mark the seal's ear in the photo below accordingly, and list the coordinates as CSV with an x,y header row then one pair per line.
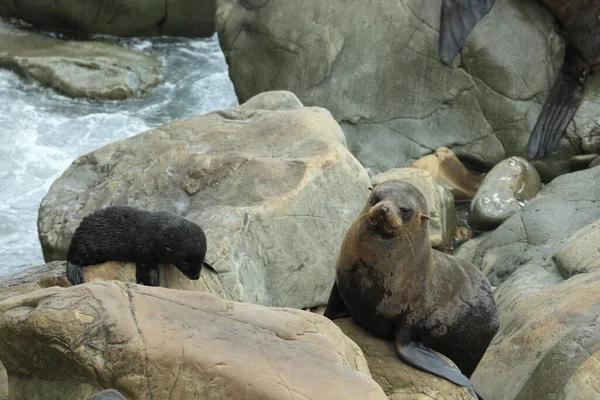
x,y
424,216
371,189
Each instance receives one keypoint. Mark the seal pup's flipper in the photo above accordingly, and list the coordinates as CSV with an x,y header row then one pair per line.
x,y
74,273
335,305
147,274
423,358
560,107
209,266
457,21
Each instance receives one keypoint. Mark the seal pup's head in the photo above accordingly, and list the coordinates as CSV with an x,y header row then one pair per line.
x,y
396,208
184,245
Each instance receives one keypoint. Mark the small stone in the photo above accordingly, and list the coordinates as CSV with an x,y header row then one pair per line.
x,y
595,162
505,189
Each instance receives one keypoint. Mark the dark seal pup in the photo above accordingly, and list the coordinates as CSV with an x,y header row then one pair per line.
x,y
581,22
390,281
120,233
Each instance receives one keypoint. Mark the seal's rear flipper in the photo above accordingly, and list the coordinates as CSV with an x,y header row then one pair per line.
x,y
335,305
207,265
560,106
74,273
458,19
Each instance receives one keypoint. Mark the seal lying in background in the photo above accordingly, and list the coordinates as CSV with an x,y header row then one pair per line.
x,y
120,233
392,283
108,394
581,21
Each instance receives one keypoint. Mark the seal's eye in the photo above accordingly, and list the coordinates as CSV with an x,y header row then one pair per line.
x,y
405,213
375,199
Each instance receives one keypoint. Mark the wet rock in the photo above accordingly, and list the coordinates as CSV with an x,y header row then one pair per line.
x,y
149,342
190,18
451,173
581,252
440,203
548,345
505,190
397,379
89,69
581,161
535,232
394,99
274,191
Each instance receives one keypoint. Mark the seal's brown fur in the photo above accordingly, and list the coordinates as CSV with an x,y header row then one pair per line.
x,y
387,275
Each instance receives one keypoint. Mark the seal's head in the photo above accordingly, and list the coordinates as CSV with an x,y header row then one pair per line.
x,y
184,245
394,208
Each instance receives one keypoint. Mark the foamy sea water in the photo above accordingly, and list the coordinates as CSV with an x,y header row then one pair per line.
x,y
42,132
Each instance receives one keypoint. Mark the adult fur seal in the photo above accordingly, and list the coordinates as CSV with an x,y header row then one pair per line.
x,y
390,281
581,22
121,233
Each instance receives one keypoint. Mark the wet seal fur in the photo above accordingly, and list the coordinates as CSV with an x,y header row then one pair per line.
x,y
148,238
580,20
390,281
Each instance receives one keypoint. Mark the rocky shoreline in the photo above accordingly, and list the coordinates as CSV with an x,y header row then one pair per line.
x,y
276,182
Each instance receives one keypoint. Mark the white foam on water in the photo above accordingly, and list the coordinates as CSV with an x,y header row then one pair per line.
x,y
42,132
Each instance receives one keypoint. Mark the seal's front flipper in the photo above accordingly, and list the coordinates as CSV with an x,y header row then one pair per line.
x,y
458,19
423,358
560,107
147,274
207,265
74,273
335,306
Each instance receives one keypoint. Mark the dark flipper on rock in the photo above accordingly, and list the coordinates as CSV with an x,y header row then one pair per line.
x,y
425,359
147,274
457,21
209,266
560,107
74,273
335,305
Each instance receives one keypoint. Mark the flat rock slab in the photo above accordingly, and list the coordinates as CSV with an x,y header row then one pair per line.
x,y
117,17
89,69
375,66
399,380
146,342
274,190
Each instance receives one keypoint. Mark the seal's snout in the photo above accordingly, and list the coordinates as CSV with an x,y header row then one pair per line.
x,y
383,210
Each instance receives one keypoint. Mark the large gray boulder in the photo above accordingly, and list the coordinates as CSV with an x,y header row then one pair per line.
x,y
535,232
117,17
274,190
375,66
89,69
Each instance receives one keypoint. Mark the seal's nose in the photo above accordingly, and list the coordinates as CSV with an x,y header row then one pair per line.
x,y
383,210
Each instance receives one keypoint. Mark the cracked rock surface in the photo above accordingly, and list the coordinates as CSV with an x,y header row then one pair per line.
x,y
399,380
148,342
548,345
375,66
274,190
88,69
117,17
